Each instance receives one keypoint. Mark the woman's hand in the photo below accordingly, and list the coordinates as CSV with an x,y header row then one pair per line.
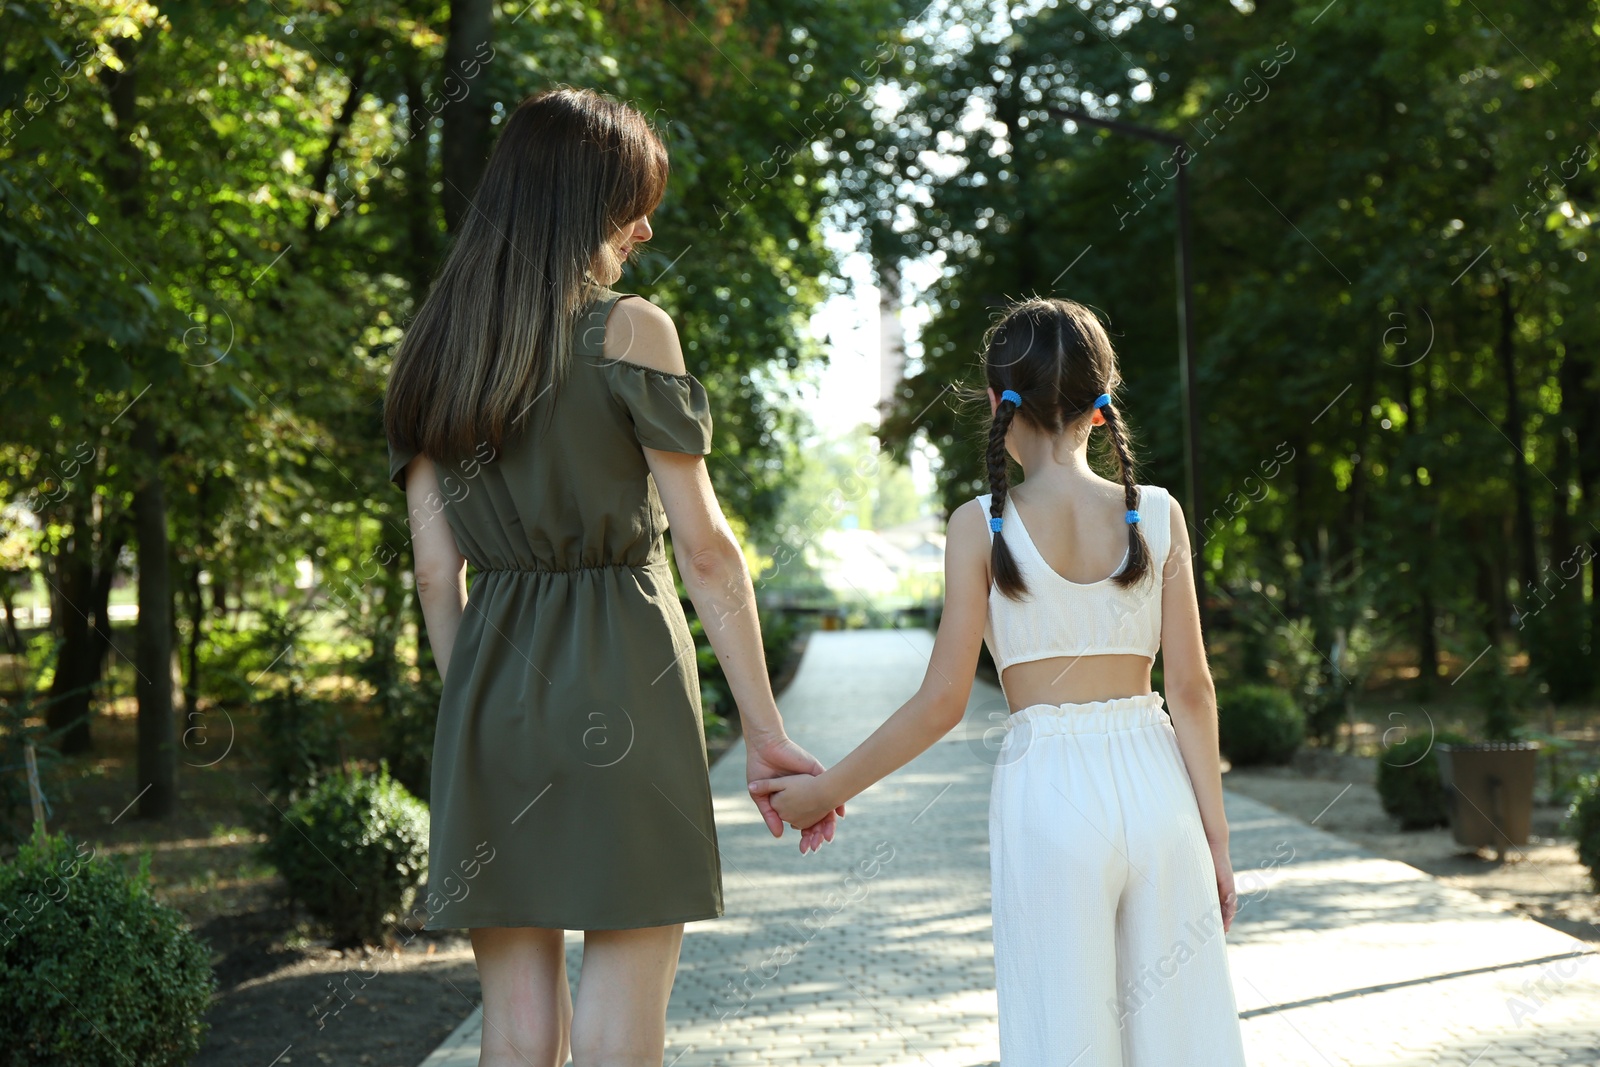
x,y
775,758
1226,895
799,799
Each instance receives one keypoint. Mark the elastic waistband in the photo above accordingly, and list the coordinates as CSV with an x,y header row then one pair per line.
x,y
569,570
1094,717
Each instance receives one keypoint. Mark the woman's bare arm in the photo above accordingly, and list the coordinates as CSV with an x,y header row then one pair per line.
x,y
718,582
441,570
712,565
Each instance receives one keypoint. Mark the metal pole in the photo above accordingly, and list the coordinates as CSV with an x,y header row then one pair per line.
x,y
1186,375
1117,125
35,794
1186,346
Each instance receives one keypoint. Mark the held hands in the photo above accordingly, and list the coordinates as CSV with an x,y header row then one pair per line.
x,y
766,761
798,799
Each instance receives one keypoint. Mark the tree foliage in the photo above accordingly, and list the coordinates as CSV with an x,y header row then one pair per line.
x,y
217,219
1394,279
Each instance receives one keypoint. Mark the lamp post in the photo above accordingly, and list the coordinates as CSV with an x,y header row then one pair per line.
x,y
1186,375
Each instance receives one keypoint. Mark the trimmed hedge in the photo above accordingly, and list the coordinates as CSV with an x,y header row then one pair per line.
x,y
1258,724
93,969
1583,823
353,851
1408,780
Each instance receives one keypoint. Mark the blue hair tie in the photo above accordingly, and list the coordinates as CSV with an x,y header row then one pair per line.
x,y
1103,400
1011,395
994,523
1133,516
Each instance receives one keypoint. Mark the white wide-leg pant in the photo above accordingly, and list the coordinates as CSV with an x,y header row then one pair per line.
x,y
1108,940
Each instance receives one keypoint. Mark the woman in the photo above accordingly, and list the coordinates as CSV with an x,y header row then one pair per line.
x,y
555,426
1108,843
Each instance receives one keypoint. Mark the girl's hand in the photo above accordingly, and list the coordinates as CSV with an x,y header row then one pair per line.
x,y
1226,896
774,757
800,800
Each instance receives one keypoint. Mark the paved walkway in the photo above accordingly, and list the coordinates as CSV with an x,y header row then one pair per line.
x,y
876,951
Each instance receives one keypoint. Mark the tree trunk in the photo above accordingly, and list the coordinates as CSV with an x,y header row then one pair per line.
x,y
1506,348
104,577
1360,480
465,142
1417,400
157,782
1560,638
153,655
83,589
330,152
1296,594
1585,406
67,715
1427,645
195,598
422,225
1490,580
7,593
1581,397
196,604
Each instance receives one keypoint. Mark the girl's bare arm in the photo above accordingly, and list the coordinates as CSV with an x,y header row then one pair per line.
x,y
938,705
1191,696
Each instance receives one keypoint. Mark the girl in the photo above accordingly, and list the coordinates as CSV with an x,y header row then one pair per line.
x,y
555,426
1108,845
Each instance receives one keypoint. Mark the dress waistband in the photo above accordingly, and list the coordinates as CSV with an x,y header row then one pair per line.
x,y
1093,717
566,570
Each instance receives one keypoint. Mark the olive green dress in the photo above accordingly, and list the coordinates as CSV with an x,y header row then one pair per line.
x,y
570,786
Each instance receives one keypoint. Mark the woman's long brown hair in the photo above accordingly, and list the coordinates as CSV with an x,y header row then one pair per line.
x,y
1057,357
494,335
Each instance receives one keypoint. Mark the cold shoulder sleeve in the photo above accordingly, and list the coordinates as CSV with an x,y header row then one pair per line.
x,y
670,412
399,456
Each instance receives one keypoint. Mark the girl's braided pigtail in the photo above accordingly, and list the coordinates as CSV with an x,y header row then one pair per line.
x,y
1002,566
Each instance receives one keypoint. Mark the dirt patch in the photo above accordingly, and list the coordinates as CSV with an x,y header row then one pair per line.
x,y
283,996
1544,880
315,1005
282,992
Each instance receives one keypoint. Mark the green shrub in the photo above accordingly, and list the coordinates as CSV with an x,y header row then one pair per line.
x,y
93,969
1583,823
1326,711
1408,780
1258,724
352,851
779,629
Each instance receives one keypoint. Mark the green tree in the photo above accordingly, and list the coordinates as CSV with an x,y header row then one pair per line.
x,y
216,219
1392,211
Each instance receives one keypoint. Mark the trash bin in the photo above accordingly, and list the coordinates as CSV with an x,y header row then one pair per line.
x,y
1488,789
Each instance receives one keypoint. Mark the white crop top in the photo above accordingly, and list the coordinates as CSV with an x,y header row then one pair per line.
x,y
1063,618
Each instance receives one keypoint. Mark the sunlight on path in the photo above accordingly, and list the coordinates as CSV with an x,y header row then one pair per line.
x,y
876,951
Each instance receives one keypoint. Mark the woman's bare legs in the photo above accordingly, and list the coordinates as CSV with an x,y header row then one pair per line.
x,y
527,1005
621,1015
